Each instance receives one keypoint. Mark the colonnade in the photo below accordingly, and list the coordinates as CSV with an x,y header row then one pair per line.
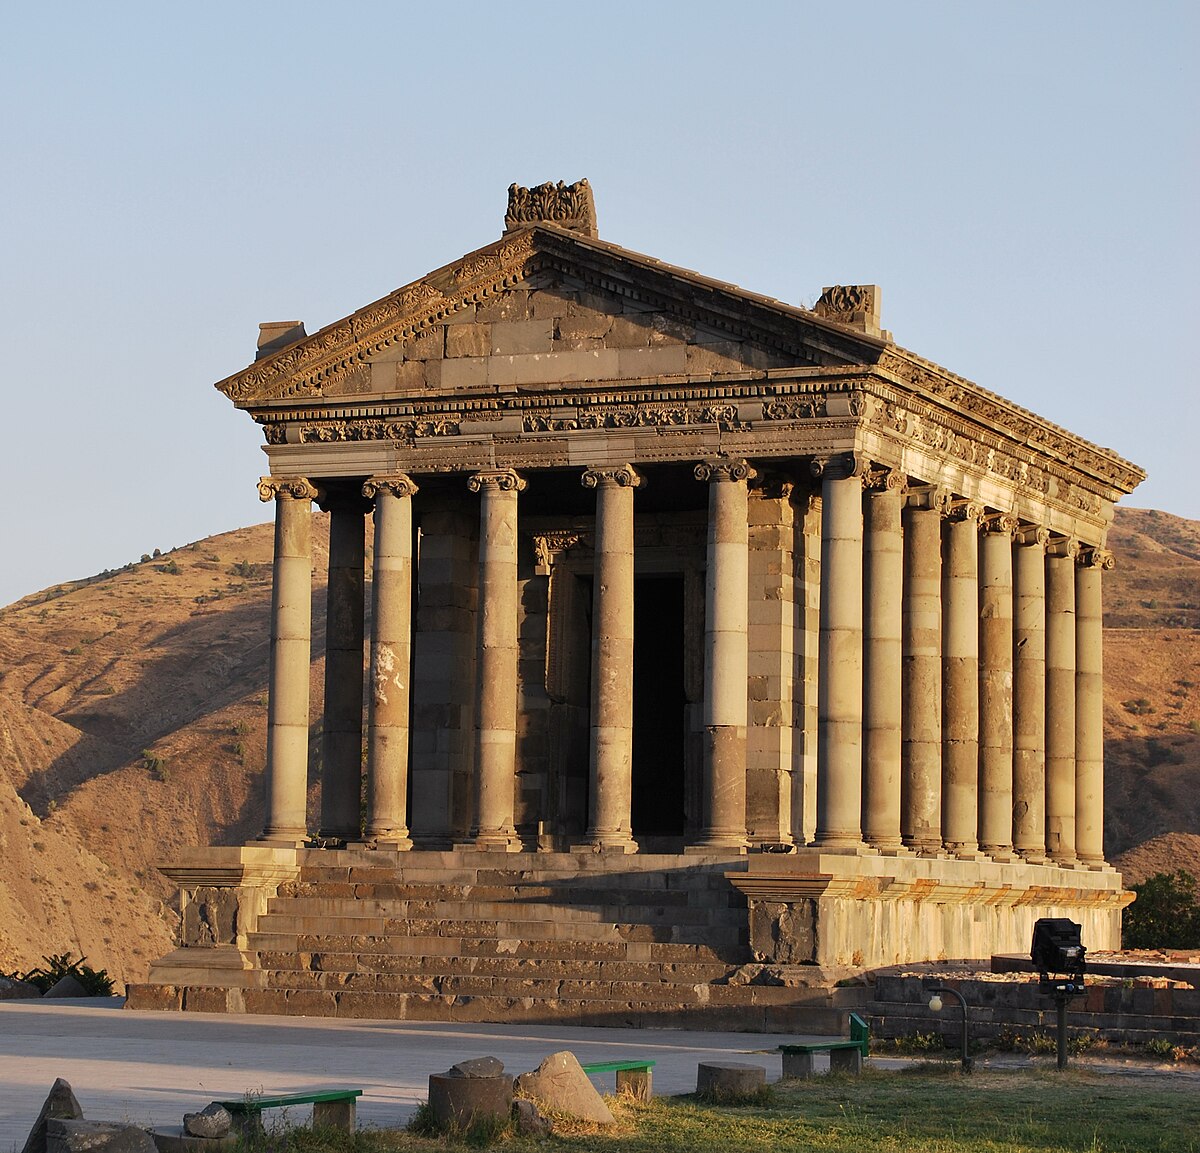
x,y
959,707
979,645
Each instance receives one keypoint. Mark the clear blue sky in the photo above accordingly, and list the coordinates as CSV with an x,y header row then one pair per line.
x,y
1021,179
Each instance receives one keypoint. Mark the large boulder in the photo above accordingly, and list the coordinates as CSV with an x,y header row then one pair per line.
x,y
212,1121
97,1137
559,1085
61,1105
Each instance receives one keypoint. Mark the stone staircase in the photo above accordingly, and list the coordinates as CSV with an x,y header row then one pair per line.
x,y
566,939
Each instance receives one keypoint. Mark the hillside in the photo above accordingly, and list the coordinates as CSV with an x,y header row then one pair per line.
x,y
133,722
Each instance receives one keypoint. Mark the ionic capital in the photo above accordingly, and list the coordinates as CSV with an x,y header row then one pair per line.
x,y
398,484
1063,546
725,470
840,466
1031,536
622,476
964,510
292,487
1091,557
884,480
499,479
999,523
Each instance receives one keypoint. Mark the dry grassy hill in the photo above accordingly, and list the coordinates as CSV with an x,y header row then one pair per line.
x,y
133,722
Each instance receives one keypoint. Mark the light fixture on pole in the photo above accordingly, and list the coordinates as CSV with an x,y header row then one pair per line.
x,y
935,1004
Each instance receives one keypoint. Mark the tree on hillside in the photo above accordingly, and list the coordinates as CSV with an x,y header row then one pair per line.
x,y
1165,914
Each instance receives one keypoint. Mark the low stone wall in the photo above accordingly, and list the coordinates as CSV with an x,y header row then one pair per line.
x,y
1131,1010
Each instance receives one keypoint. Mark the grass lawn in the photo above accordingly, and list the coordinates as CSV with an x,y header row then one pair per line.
x,y
928,1109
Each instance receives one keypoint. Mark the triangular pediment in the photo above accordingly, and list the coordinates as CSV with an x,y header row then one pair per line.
x,y
544,308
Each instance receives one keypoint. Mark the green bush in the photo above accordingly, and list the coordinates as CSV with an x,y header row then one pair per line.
x,y
96,983
1165,914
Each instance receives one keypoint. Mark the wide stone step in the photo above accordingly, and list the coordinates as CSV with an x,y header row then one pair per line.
x,y
637,951
734,1008
513,930
503,911
498,966
723,896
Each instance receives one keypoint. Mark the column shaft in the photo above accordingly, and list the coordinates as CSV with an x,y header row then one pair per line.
x,y
996,689
342,733
611,754
840,662
960,684
1060,703
882,655
291,655
496,698
726,625
391,662
921,784
1089,707
1029,698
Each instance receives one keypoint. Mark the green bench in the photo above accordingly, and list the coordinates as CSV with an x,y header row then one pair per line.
x,y
844,1055
331,1107
633,1077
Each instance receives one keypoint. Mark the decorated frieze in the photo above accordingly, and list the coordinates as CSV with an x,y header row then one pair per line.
x,y
567,205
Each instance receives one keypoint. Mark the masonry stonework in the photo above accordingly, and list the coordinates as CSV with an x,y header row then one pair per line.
x,y
709,636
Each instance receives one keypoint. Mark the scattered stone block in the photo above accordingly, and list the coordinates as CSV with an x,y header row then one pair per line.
x,y
729,1080
560,1085
60,1104
65,1136
176,1140
12,990
66,986
469,1093
529,1120
212,1121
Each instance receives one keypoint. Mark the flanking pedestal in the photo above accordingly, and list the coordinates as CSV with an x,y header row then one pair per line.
x,y
830,909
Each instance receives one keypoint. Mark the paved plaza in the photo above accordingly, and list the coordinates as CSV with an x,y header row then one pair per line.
x,y
148,1068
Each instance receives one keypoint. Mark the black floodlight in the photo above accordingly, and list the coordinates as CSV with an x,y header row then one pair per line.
x,y
1057,947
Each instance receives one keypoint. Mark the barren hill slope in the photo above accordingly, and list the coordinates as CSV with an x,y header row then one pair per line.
x,y
133,722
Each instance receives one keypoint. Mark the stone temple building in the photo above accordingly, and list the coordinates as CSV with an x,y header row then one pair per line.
x,y
707,644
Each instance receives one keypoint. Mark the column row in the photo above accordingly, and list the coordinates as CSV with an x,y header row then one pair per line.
x,y
959,711
496,682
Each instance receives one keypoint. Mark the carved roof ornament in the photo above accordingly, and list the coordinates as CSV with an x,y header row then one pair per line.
x,y
854,304
567,205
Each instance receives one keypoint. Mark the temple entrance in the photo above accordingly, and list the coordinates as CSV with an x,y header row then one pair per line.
x,y
658,709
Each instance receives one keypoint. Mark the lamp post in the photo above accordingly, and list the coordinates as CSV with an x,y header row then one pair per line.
x,y
935,1003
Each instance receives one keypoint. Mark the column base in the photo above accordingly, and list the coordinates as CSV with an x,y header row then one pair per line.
x,y
1001,853
500,841
1033,856
288,838
604,845
388,839
888,848
964,852
847,846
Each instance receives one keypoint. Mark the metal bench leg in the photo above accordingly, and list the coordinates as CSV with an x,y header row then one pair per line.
x,y
845,1061
635,1082
798,1065
335,1115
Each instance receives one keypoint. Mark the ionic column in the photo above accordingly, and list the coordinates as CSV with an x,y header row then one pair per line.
x,y
496,685
921,779
1089,706
1029,695
996,687
611,754
840,657
391,661
726,627
882,654
341,734
960,682
291,654
1060,701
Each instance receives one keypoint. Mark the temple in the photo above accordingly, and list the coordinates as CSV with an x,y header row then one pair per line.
x,y
698,629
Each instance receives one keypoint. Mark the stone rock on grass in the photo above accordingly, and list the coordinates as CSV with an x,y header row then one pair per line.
x,y
212,1121
528,1119
559,1085
60,1104
64,1136
478,1067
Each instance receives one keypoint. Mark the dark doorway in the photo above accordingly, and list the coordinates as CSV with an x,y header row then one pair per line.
x,y
658,707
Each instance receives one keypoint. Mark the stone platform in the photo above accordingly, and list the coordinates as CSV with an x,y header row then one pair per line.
x,y
655,940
